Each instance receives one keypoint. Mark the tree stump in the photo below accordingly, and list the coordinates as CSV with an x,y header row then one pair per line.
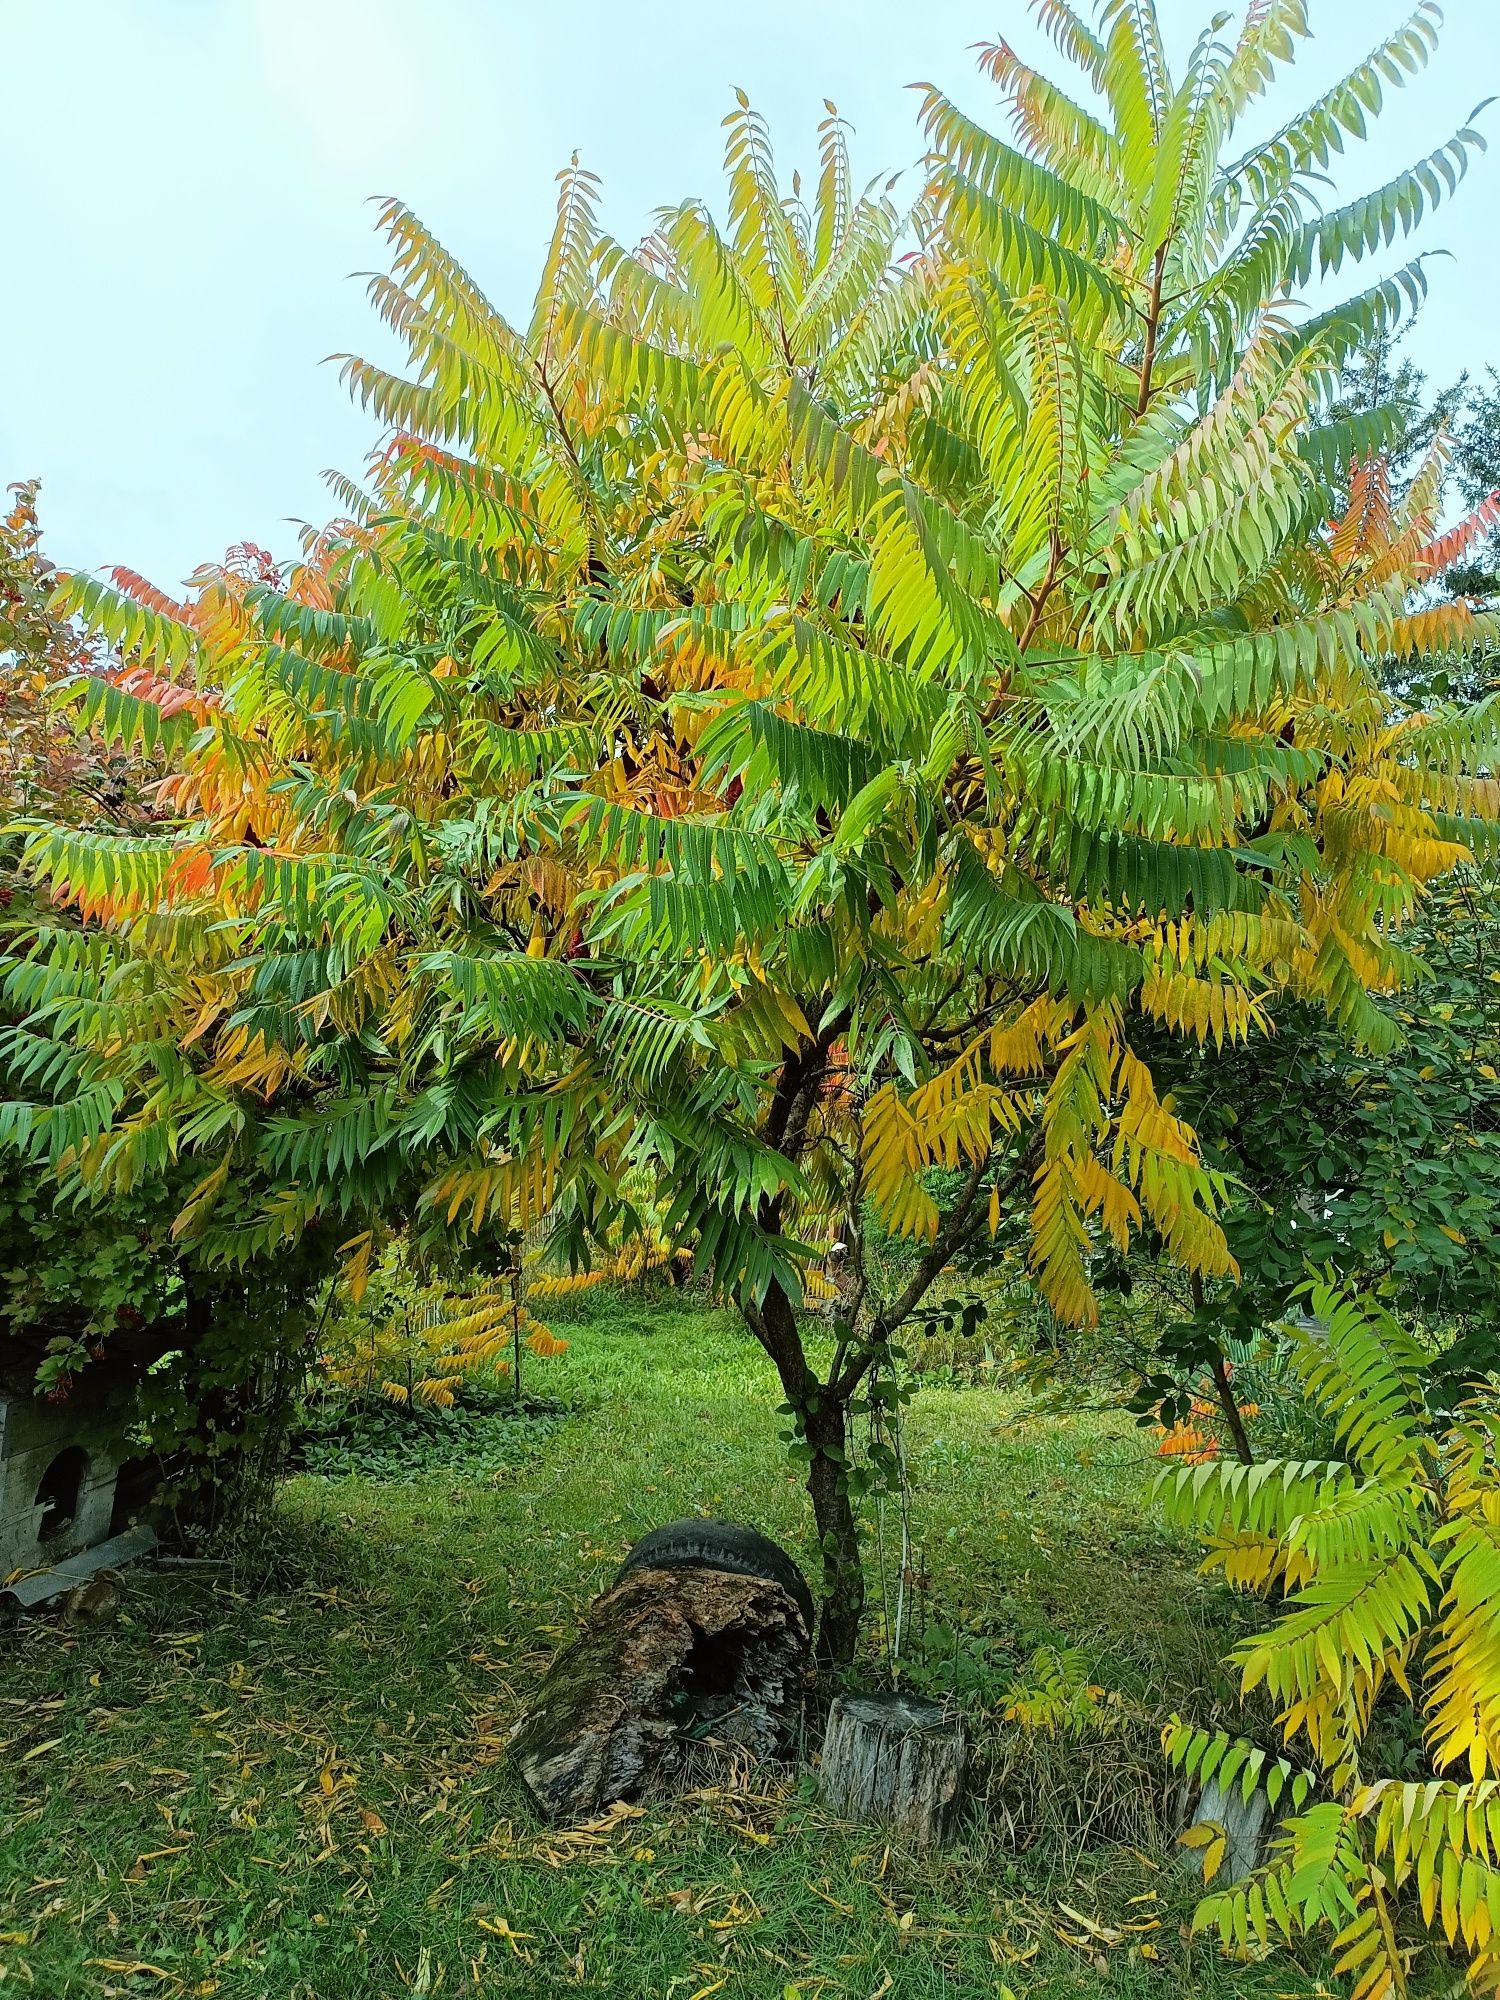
x,y
674,1665
1248,1825
896,1760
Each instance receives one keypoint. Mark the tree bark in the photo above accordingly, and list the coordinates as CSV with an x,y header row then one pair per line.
x,y
1223,1387
822,1407
823,1418
674,1665
1234,1420
896,1760
1153,328
833,1511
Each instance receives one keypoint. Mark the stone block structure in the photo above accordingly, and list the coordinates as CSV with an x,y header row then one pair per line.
x,y
57,1482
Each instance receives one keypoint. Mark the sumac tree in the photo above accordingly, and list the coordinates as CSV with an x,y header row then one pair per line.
x,y
776,724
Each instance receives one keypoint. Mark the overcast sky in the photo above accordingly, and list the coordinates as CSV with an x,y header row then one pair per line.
x,y
189,182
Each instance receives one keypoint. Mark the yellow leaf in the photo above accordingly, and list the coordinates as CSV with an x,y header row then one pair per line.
x,y
357,1270
498,1927
199,1204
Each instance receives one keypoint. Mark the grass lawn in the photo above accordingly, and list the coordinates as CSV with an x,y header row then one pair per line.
x,y
287,1779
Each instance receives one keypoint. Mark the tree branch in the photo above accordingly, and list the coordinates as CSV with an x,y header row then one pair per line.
x,y
958,1230
792,1101
1233,1420
1038,602
1153,327
1218,1368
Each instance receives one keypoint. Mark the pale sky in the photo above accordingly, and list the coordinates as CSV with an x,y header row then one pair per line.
x,y
189,180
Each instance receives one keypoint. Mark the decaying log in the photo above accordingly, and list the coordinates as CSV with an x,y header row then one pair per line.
x,y
896,1760
667,1658
701,1544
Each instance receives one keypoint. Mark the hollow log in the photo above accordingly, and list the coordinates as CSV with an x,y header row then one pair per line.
x,y
727,1545
896,1760
670,1662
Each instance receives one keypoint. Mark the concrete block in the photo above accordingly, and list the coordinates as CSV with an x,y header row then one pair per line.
x,y
57,1481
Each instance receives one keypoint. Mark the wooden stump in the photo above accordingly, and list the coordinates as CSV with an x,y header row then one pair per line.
x,y
898,1761
1248,1825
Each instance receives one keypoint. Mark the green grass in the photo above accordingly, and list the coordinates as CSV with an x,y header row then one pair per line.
x,y
287,1779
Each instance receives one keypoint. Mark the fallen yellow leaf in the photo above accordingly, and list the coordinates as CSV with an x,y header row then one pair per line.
x,y
498,1927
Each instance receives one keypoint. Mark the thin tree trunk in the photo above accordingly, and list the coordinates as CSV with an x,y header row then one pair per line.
x,y
823,1418
833,1511
822,1408
1223,1387
1232,1417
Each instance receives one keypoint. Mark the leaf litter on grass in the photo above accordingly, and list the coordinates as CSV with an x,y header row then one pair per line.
x,y
290,1780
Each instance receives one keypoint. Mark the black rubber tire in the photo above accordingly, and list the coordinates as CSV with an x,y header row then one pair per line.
x,y
721,1545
